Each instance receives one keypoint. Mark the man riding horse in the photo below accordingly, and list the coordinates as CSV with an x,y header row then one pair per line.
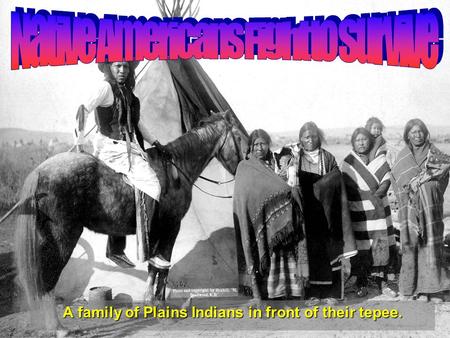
x,y
119,144
73,190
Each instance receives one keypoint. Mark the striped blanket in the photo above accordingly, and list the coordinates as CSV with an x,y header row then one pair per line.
x,y
371,216
419,188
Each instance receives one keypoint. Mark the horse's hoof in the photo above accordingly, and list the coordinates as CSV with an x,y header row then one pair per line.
x,y
62,332
187,304
149,299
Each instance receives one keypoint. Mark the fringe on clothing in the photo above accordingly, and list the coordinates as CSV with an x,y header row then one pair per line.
x,y
268,226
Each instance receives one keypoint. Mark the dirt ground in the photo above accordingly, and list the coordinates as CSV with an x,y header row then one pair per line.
x,y
15,322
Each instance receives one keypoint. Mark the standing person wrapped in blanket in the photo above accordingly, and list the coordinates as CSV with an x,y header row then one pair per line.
x,y
268,225
329,235
420,177
367,183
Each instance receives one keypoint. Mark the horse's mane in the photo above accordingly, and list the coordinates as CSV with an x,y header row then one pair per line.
x,y
194,138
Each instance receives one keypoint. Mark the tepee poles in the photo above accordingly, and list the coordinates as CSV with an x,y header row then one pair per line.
x,y
178,9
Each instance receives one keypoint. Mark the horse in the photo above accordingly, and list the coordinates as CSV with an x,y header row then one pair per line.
x,y
72,190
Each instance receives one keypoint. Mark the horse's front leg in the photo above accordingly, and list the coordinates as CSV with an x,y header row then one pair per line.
x,y
149,295
161,283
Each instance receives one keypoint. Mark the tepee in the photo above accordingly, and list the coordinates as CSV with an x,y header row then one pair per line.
x,y
175,95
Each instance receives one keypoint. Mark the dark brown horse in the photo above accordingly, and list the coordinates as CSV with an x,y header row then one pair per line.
x,y
74,190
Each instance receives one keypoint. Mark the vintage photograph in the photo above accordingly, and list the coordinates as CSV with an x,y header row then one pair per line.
x,y
225,196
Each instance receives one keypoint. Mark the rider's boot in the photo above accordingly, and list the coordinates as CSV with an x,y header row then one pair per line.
x,y
115,252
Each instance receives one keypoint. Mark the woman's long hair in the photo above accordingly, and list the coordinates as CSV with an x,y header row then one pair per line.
x,y
415,122
366,133
311,126
260,133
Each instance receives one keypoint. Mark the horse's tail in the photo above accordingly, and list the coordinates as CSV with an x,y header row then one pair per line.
x,y
11,211
27,254
26,241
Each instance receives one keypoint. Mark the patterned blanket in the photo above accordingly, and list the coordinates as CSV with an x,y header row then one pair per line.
x,y
371,216
409,179
263,211
419,188
379,148
267,224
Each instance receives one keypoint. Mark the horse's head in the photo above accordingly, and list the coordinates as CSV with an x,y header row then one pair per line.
x,y
233,143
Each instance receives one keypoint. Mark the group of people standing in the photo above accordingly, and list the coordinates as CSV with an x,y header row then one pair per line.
x,y
300,216
341,212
